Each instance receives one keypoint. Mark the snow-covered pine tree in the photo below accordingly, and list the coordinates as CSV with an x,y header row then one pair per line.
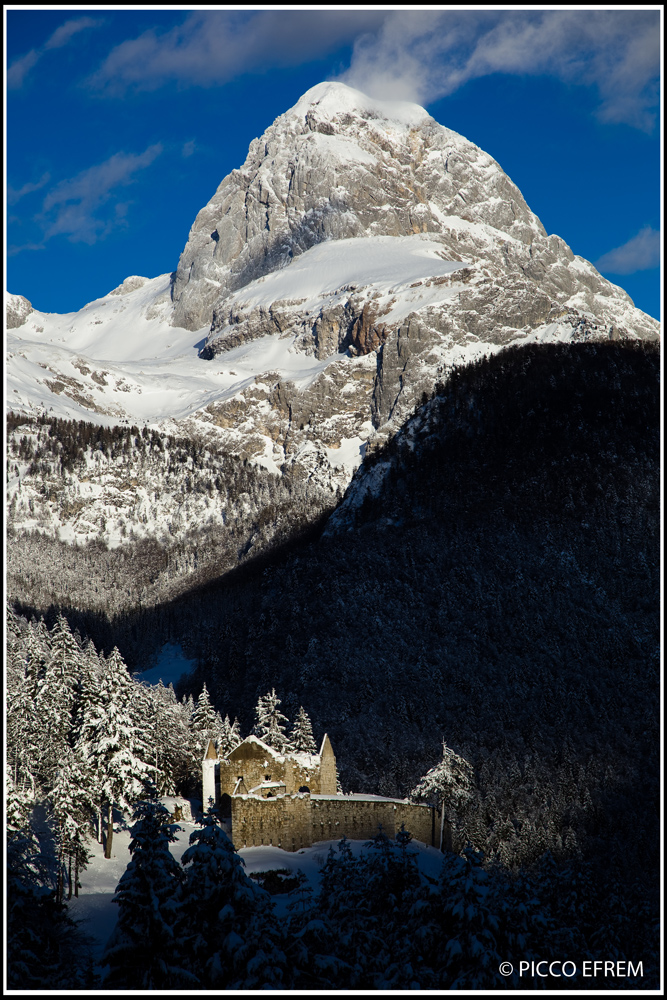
x,y
232,937
25,737
203,724
302,733
144,951
449,785
171,753
342,901
57,693
44,948
72,802
270,723
469,924
19,804
229,737
112,741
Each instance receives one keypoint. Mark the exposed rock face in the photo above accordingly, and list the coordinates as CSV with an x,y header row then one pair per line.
x,y
17,311
340,168
338,165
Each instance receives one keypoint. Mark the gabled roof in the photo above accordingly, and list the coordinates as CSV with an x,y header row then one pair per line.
x,y
264,746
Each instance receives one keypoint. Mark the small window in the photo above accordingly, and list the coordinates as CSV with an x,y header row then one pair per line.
x,y
267,777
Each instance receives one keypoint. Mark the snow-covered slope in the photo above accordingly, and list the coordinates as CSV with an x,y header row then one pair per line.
x,y
119,360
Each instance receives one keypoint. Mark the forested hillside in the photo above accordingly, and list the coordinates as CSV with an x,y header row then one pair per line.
x,y
497,584
113,519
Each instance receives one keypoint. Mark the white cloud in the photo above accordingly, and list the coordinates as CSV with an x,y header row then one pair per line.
x,y
73,208
422,56
19,69
641,253
211,47
188,148
66,31
14,249
14,195
418,55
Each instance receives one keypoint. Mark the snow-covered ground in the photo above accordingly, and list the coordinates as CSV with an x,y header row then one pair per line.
x,y
390,264
118,359
98,914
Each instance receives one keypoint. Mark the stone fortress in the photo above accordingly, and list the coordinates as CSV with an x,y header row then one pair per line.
x,y
291,800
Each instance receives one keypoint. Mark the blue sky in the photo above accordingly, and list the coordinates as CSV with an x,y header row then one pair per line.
x,y
122,123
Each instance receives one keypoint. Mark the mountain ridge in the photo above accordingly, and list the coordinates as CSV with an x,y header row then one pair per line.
x,y
363,251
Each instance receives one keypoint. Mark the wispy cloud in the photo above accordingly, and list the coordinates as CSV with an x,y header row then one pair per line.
x,y
188,148
85,208
641,253
410,55
19,69
14,249
14,194
424,56
211,47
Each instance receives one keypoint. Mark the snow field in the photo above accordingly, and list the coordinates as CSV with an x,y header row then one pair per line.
x,y
97,913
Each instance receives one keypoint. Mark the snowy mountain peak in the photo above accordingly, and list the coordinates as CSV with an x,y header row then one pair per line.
x,y
339,165
359,253
333,99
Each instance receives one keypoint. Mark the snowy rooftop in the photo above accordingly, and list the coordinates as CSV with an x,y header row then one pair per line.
x,y
358,797
309,760
266,784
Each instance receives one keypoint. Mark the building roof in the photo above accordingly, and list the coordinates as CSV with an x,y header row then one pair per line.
x,y
308,760
267,784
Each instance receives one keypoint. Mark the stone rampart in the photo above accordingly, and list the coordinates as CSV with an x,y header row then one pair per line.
x,y
300,820
283,821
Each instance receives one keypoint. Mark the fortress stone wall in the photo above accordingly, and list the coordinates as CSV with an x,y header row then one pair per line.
x,y
290,801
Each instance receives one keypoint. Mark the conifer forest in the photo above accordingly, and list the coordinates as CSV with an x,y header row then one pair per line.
x,y
475,624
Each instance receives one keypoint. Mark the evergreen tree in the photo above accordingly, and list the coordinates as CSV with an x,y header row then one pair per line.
x,y
171,751
25,743
270,723
343,902
45,950
309,936
234,940
302,733
144,951
449,786
204,726
57,693
72,802
470,927
114,744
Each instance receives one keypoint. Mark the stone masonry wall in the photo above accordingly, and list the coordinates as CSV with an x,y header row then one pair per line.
x,y
282,821
248,760
359,819
299,820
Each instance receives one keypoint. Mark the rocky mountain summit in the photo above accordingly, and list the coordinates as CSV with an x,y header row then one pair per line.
x,y
359,254
340,166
